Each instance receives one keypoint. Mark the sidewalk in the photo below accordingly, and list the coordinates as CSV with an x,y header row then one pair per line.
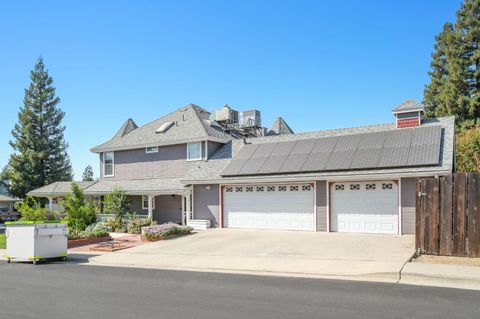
x,y
440,271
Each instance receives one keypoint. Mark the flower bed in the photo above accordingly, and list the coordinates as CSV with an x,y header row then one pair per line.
x,y
164,231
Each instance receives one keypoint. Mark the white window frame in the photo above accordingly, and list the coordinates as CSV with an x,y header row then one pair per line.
x,y
145,199
188,151
153,149
113,164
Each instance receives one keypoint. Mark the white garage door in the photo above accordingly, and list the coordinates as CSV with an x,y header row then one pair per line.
x,y
370,207
269,207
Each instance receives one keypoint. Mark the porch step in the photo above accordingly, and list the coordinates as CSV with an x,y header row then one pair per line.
x,y
199,224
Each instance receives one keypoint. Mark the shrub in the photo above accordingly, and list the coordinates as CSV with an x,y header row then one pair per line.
x,y
79,212
116,203
135,224
116,225
468,150
30,210
165,230
96,230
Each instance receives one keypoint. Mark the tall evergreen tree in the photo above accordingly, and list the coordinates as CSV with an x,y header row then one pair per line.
x,y
40,151
87,175
455,74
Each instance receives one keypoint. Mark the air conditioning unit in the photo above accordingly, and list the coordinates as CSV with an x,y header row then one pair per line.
x,y
226,114
251,118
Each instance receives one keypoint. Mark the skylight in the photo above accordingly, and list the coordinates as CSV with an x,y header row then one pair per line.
x,y
164,127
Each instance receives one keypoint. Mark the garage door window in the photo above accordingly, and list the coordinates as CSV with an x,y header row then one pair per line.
x,y
260,188
306,188
249,189
239,189
294,188
339,187
370,187
387,186
270,188
282,188
229,189
354,187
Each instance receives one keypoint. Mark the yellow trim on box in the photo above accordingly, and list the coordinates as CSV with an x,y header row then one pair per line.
x,y
35,258
63,255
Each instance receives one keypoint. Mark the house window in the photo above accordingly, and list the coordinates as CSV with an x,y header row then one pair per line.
x,y
194,151
354,187
370,187
387,186
340,187
108,163
145,202
151,149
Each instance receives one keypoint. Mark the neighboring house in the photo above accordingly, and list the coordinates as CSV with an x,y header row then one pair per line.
x,y
183,167
7,209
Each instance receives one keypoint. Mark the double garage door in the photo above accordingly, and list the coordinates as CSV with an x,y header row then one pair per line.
x,y
269,206
362,207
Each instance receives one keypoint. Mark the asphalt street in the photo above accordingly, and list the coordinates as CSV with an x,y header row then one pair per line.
x,y
69,290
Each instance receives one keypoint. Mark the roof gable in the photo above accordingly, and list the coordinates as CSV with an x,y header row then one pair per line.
x,y
280,127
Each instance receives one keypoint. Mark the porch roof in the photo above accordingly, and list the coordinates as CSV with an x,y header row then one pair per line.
x,y
154,186
8,199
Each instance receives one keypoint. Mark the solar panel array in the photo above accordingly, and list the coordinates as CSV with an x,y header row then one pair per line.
x,y
389,149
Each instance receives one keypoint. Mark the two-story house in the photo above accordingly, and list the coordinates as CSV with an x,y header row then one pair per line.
x,y
184,167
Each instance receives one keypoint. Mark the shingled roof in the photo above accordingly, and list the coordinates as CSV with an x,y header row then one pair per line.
x,y
190,123
408,106
280,127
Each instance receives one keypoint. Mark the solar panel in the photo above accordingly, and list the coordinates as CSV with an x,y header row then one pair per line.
x,y
340,160
325,145
396,148
372,140
234,166
424,155
303,147
246,151
252,166
293,163
283,148
316,162
393,156
272,165
264,150
428,135
366,158
347,142
400,137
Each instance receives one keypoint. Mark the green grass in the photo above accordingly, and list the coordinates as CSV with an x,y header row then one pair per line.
x,y
3,242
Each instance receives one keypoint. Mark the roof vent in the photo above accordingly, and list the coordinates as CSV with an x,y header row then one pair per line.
x,y
408,114
164,127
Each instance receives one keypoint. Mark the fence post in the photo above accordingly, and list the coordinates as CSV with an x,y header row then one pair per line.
x,y
459,211
446,240
473,231
419,226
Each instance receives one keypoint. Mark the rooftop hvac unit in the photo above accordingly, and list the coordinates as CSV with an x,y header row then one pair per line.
x,y
226,114
251,118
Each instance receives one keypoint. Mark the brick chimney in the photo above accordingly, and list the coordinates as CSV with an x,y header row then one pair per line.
x,y
408,114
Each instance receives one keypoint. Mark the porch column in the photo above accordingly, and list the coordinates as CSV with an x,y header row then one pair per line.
x,y
188,204
50,204
150,206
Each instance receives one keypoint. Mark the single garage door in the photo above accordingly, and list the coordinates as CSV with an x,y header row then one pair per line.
x,y
369,207
269,206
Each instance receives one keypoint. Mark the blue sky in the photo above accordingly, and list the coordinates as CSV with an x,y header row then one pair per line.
x,y
319,64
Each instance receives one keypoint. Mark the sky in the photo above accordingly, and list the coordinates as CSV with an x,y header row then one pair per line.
x,y
318,64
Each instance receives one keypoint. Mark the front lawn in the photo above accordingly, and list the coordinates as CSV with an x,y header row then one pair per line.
x,y
3,241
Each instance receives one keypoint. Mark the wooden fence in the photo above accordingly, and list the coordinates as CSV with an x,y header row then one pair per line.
x,y
448,215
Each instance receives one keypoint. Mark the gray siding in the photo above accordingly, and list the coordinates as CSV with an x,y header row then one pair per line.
x,y
170,162
321,195
206,203
168,208
136,205
408,205
213,147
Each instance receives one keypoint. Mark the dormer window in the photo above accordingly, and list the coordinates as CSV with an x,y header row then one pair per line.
x,y
408,114
151,149
164,127
194,151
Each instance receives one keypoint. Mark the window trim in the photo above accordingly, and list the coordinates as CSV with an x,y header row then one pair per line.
x,y
188,152
154,149
113,164
143,202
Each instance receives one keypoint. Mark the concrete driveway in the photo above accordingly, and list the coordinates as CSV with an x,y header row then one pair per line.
x,y
290,253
